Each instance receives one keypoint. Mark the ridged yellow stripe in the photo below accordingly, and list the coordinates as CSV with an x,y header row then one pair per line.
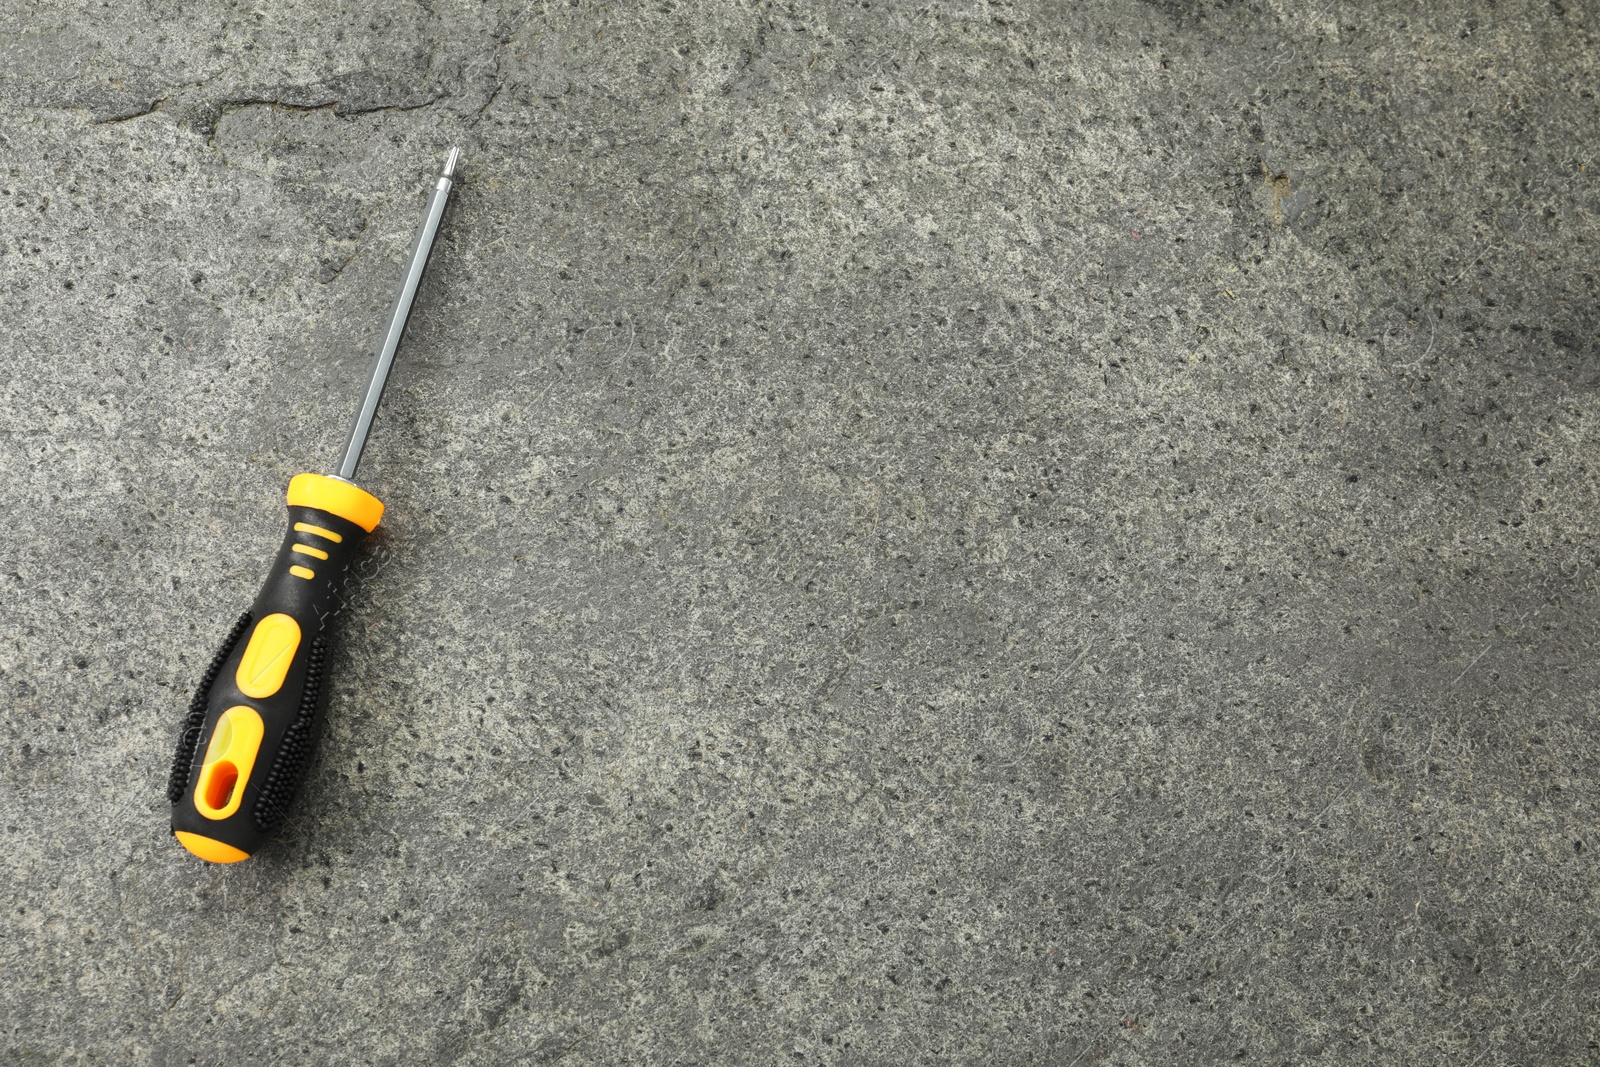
x,y
309,551
306,527
302,572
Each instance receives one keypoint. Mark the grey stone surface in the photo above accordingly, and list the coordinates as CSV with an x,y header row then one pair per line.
x,y
929,532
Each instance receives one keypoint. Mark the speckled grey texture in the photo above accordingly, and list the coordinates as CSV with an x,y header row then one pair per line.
x,y
919,533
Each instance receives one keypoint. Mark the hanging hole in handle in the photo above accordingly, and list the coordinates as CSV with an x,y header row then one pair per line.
x,y
220,783
229,760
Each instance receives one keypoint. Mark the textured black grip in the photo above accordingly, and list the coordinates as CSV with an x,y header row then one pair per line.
x,y
267,681
283,777
178,780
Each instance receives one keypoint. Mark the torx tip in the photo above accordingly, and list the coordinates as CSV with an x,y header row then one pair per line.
x,y
450,163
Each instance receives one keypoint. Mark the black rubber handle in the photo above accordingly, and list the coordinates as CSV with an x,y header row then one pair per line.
x,y
252,725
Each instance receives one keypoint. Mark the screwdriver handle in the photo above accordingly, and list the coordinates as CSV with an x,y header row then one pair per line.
x,y
252,725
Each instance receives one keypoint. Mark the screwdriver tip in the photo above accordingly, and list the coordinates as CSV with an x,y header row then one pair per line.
x,y
450,163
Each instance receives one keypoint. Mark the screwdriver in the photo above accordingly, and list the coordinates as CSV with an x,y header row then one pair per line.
x,y
250,729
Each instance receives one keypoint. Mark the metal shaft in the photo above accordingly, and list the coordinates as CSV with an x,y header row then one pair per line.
x,y
396,325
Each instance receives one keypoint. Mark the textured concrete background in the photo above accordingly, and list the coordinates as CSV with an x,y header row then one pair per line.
x,y
919,532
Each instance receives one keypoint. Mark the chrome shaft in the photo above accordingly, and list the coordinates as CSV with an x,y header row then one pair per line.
x,y
396,325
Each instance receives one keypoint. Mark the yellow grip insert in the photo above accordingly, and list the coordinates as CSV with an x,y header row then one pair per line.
x,y
319,531
266,659
337,497
229,759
